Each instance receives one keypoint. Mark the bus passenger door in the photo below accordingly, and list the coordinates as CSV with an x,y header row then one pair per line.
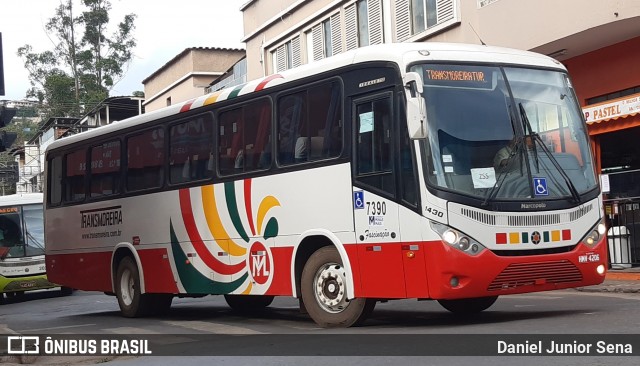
x,y
375,210
411,221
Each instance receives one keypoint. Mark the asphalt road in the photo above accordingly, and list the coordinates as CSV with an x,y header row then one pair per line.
x,y
206,326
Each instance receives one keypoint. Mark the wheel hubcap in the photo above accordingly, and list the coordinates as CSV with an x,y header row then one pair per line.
x,y
330,288
127,287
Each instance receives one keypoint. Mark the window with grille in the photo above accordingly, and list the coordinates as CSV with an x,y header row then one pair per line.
x,y
325,38
418,16
363,23
287,55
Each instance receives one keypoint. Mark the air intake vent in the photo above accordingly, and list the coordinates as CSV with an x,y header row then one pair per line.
x,y
581,211
534,220
485,218
528,274
528,219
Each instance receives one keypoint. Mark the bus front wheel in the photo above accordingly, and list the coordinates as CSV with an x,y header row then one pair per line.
x,y
324,292
468,306
130,298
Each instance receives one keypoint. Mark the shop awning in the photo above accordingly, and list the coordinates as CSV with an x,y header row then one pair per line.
x,y
612,109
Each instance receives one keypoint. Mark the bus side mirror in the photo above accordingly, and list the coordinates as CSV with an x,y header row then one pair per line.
x,y
416,108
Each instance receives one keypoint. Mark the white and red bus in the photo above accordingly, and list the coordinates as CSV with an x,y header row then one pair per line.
x,y
452,172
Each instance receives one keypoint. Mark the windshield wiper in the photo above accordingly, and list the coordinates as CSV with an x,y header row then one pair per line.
x,y
538,140
527,126
35,241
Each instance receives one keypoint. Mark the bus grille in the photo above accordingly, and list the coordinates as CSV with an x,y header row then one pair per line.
x,y
526,274
529,219
22,263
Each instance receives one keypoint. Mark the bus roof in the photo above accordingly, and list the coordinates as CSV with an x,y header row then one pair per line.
x,y
21,199
400,53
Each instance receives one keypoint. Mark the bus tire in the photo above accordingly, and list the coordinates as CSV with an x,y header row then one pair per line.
x,y
132,302
468,306
66,291
248,303
323,287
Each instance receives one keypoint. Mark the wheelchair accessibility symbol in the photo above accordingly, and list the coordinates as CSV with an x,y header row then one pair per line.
x,y
540,186
358,200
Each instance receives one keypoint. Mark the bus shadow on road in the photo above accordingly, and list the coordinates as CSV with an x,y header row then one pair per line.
x,y
15,298
288,315
431,319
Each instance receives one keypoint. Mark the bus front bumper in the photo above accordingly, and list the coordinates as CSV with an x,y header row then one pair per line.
x,y
454,275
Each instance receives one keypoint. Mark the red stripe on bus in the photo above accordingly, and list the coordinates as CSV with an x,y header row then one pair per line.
x,y
158,276
91,271
247,204
198,243
264,82
281,283
187,106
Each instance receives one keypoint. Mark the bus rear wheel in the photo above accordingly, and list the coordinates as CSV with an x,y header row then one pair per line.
x,y
324,292
130,298
468,306
248,303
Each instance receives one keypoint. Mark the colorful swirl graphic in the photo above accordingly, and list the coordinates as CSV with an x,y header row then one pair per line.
x,y
228,242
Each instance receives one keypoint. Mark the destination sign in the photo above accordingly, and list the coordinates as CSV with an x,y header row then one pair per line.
x,y
459,76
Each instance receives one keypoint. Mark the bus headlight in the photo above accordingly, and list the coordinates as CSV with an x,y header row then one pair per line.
x,y
450,237
457,239
594,235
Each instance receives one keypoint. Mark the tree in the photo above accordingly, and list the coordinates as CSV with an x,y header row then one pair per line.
x,y
85,63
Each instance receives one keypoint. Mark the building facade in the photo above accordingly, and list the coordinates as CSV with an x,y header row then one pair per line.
x,y
187,75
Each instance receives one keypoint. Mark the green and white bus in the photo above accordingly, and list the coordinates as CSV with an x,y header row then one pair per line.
x,y
22,266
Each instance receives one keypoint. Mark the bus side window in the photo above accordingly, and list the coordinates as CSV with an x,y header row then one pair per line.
x,y
190,146
76,167
244,138
374,144
145,160
55,180
325,125
230,153
310,125
105,169
291,118
257,139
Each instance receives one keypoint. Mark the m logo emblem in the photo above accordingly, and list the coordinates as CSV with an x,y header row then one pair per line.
x,y
259,263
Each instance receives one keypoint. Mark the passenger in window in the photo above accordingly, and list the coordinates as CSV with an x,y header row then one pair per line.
x,y
302,149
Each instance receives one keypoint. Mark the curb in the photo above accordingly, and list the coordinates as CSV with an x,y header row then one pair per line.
x,y
623,276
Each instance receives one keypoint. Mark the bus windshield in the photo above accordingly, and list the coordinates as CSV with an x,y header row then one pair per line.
x,y
21,231
504,133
